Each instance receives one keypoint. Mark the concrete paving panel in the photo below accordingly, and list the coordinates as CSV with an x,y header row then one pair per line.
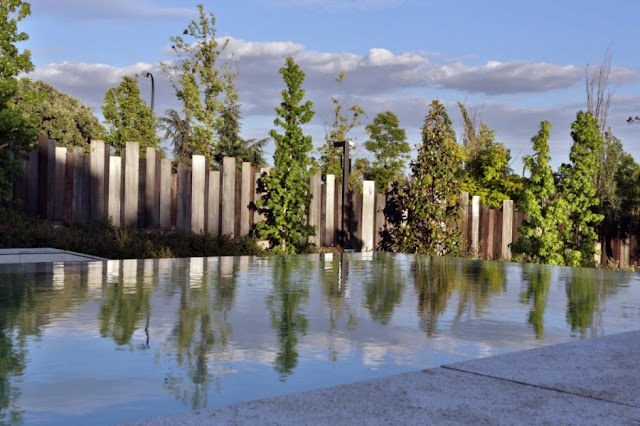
x,y
605,368
437,396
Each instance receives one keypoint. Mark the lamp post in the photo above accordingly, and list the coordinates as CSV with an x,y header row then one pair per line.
x,y
153,86
346,163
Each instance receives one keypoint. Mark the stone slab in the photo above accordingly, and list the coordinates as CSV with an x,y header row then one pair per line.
x,y
605,368
43,255
437,396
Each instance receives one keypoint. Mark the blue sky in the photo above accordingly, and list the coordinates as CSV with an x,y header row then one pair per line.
x,y
512,63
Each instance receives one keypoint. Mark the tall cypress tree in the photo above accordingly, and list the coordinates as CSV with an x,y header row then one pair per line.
x,y
579,187
432,199
287,194
540,240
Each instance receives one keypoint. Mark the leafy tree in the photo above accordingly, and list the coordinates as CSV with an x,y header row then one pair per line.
x,y
230,143
128,117
59,115
540,240
343,122
17,131
388,142
287,194
198,82
487,165
432,198
579,190
627,180
177,129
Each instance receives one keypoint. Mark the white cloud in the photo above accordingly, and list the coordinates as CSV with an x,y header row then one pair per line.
x,y
497,78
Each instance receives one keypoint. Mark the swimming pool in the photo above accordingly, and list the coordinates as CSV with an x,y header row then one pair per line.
x,y
107,342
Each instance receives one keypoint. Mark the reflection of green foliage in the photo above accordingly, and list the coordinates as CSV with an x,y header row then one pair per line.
x,y
538,279
122,310
433,280
202,331
383,287
290,290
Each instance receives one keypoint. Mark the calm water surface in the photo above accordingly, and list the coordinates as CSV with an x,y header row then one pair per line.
x,y
117,341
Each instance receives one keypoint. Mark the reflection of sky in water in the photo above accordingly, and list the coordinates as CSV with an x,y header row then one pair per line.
x,y
223,330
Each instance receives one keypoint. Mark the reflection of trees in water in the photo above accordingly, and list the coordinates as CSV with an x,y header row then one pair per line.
x,y
587,290
437,278
334,278
384,284
29,299
433,282
202,332
290,291
538,279
125,304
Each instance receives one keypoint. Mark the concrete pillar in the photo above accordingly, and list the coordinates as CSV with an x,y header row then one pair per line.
x,y
314,207
130,178
198,176
368,214
228,195
115,190
330,207
507,231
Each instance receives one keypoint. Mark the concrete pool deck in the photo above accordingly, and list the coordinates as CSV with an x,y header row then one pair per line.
x,y
594,381
43,255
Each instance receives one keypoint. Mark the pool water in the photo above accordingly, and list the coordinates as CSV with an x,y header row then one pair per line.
x,y
116,341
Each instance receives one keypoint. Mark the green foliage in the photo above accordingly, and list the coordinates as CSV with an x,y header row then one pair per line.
x,y
17,132
388,143
128,117
198,82
540,240
487,165
538,280
343,122
287,194
59,115
177,130
627,182
104,240
579,190
431,201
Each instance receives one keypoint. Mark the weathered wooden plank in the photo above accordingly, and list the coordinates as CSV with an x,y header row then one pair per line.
x,y
507,230
142,202
85,203
338,217
464,223
130,177
236,207
228,196
379,220
151,213
475,224
76,203
115,190
98,177
314,207
213,211
198,181
368,214
164,194
60,184
46,176
245,199
183,199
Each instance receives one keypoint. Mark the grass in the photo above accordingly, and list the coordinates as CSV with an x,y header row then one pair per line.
x,y
105,240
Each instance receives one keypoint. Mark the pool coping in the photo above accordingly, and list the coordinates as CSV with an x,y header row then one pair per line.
x,y
43,255
591,381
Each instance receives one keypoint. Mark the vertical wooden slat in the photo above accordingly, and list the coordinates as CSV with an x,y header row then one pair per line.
x,y
164,195
151,213
98,174
330,207
68,187
198,176
183,199
245,199
484,231
491,229
85,204
60,187
174,199
236,207
475,224
130,177
76,203
228,196
115,190
142,183
464,223
213,211
355,219
46,176
338,216
368,214
380,219
507,230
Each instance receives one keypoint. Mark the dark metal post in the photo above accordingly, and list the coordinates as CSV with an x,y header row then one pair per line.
x,y
153,87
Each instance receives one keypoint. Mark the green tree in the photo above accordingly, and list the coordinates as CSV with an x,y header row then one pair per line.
x,y
177,129
579,190
199,82
487,165
330,156
388,143
59,115
128,117
287,194
540,240
17,131
432,198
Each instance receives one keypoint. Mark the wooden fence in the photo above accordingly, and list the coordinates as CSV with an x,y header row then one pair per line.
x,y
145,193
